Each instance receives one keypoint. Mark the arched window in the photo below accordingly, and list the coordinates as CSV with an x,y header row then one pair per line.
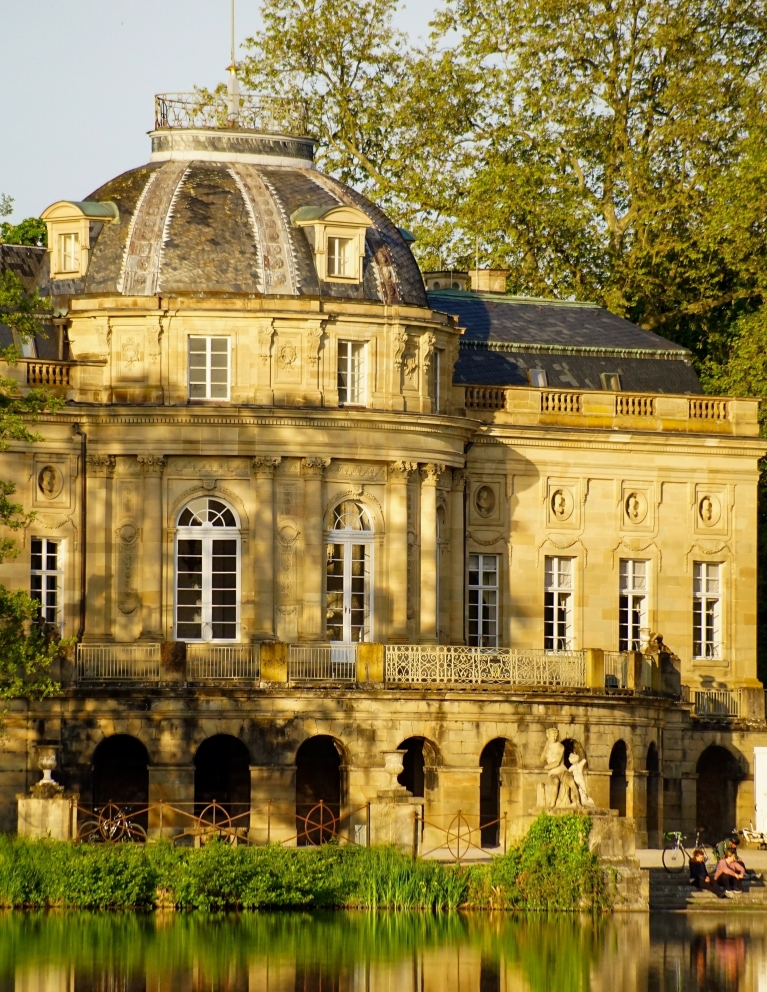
x,y
348,576
207,572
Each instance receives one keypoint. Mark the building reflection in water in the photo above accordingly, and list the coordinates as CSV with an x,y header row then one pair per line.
x,y
346,952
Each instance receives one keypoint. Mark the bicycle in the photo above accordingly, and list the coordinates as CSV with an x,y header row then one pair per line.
x,y
675,854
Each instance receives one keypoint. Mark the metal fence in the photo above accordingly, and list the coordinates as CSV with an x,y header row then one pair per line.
x,y
209,110
431,664
221,663
117,662
322,663
616,669
717,702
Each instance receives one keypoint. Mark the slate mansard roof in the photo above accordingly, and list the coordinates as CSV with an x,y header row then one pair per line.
x,y
223,227
572,342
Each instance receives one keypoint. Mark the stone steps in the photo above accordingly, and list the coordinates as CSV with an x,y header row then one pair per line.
x,y
669,891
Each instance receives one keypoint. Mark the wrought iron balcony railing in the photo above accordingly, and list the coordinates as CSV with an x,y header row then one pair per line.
x,y
271,115
444,664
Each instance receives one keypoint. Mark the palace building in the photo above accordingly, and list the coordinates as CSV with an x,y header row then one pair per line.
x,y
323,535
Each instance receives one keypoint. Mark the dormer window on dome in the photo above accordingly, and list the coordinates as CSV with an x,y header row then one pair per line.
x,y
337,237
69,224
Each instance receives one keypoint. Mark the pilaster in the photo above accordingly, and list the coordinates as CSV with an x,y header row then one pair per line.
x,y
429,477
399,475
312,472
98,564
263,468
457,578
152,468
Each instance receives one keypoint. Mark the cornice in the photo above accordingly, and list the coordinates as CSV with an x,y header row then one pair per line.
x,y
591,351
650,442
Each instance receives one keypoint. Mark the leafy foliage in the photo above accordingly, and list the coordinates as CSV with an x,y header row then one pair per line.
x,y
6,204
552,869
30,231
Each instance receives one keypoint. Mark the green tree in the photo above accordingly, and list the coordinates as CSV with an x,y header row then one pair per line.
x,y
6,204
31,231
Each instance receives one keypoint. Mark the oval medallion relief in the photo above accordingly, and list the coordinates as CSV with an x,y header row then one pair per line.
x,y
635,506
561,504
50,481
484,501
709,510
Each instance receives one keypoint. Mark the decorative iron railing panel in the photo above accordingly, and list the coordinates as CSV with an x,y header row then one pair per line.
x,y
322,663
207,110
717,702
429,664
616,669
221,663
117,662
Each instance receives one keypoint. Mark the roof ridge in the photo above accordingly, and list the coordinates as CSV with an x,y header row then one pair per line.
x,y
676,352
471,294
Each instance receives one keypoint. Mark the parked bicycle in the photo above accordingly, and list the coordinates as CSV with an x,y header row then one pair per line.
x,y
675,854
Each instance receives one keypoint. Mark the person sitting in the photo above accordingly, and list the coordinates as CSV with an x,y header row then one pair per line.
x,y
732,845
699,876
730,873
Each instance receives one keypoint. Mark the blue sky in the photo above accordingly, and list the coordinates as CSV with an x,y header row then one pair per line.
x,y
78,79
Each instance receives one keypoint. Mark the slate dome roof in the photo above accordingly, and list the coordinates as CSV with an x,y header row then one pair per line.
x,y
205,218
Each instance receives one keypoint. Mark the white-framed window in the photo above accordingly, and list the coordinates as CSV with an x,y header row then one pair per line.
x,y
341,258
207,572
69,253
558,604
611,381
209,361
707,610
351,373
47,578
436,379
348,575
483,601
537,378
632,608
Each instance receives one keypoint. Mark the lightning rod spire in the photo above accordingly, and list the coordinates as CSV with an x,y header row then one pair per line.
x,y
234,86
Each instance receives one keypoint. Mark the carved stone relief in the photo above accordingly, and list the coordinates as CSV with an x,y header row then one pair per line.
x,y
288,353
484,501
634,506
561,503
131,355
709,510
50,482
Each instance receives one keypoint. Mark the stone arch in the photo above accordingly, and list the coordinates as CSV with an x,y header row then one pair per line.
x,y
320,769
654,793
420,763
366,500
619,757
120,774
719,775
195,492
498,787
222,775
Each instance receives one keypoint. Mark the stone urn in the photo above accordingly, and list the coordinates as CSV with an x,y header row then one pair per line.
x,y
47,787
393,766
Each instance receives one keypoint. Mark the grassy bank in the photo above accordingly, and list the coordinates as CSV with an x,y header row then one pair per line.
x,y
551,869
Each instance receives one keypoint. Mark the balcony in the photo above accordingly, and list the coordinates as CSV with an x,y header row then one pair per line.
x,y
441,664
117,663
518,405
322,663
222,663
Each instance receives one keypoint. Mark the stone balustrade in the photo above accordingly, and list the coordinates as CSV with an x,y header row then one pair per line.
x,y
518,405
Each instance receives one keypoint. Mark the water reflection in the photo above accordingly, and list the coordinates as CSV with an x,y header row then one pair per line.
x,y
356,952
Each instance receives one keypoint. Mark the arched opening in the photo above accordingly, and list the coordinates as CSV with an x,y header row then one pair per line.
x,y
207,572
121,776
618,781
419,766
222,775
348,574
498,757
652,767
717,793
318,780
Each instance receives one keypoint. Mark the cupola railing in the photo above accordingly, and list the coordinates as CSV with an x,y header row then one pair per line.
x,y
203,109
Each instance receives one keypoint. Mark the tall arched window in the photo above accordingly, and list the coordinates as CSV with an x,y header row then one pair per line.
x,y
207,572
349,574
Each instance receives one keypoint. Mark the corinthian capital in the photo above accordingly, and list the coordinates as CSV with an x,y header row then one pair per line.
x,y
265,465
431,472
402,470
312,468
152,464
103,465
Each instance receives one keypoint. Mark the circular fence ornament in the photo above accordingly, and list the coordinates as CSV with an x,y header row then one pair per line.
x,y
458,837
320,826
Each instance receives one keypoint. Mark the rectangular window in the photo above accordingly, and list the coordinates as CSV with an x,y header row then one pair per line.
x,y
632,612
46,579
558,605
537,378
483,601
69,253
351,373
611,381
209,368
706,610
436,375
340,257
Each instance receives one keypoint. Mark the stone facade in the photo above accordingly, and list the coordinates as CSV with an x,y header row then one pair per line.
x,y
358,489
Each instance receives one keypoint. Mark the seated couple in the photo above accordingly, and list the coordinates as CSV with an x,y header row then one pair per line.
x,y
728,876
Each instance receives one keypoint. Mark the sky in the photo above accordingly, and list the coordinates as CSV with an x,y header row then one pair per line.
x,y
78,79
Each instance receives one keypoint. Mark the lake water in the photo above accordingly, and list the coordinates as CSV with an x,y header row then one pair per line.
x,y
357,952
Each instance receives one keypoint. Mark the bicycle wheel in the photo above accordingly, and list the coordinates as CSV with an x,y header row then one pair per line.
x,y
673,859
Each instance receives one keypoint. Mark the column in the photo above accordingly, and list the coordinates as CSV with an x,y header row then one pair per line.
x,y
399,474
457,563
272,803
152,467
263,547
428,627
312,469
173,786
98,548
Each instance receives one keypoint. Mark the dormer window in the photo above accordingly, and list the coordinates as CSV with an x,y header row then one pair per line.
x,y
69,253
340,257
73,227
337,238
611,381
537,378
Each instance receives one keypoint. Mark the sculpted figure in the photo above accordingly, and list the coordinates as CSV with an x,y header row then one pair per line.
x,y
553,758
578,769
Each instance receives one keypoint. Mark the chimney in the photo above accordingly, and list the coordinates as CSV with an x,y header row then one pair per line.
x,y
488,280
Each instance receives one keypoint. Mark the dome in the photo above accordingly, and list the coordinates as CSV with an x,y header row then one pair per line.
x,y
213,213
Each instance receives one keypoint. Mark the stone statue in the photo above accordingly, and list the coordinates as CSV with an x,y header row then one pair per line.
x,y
578,770
560,786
